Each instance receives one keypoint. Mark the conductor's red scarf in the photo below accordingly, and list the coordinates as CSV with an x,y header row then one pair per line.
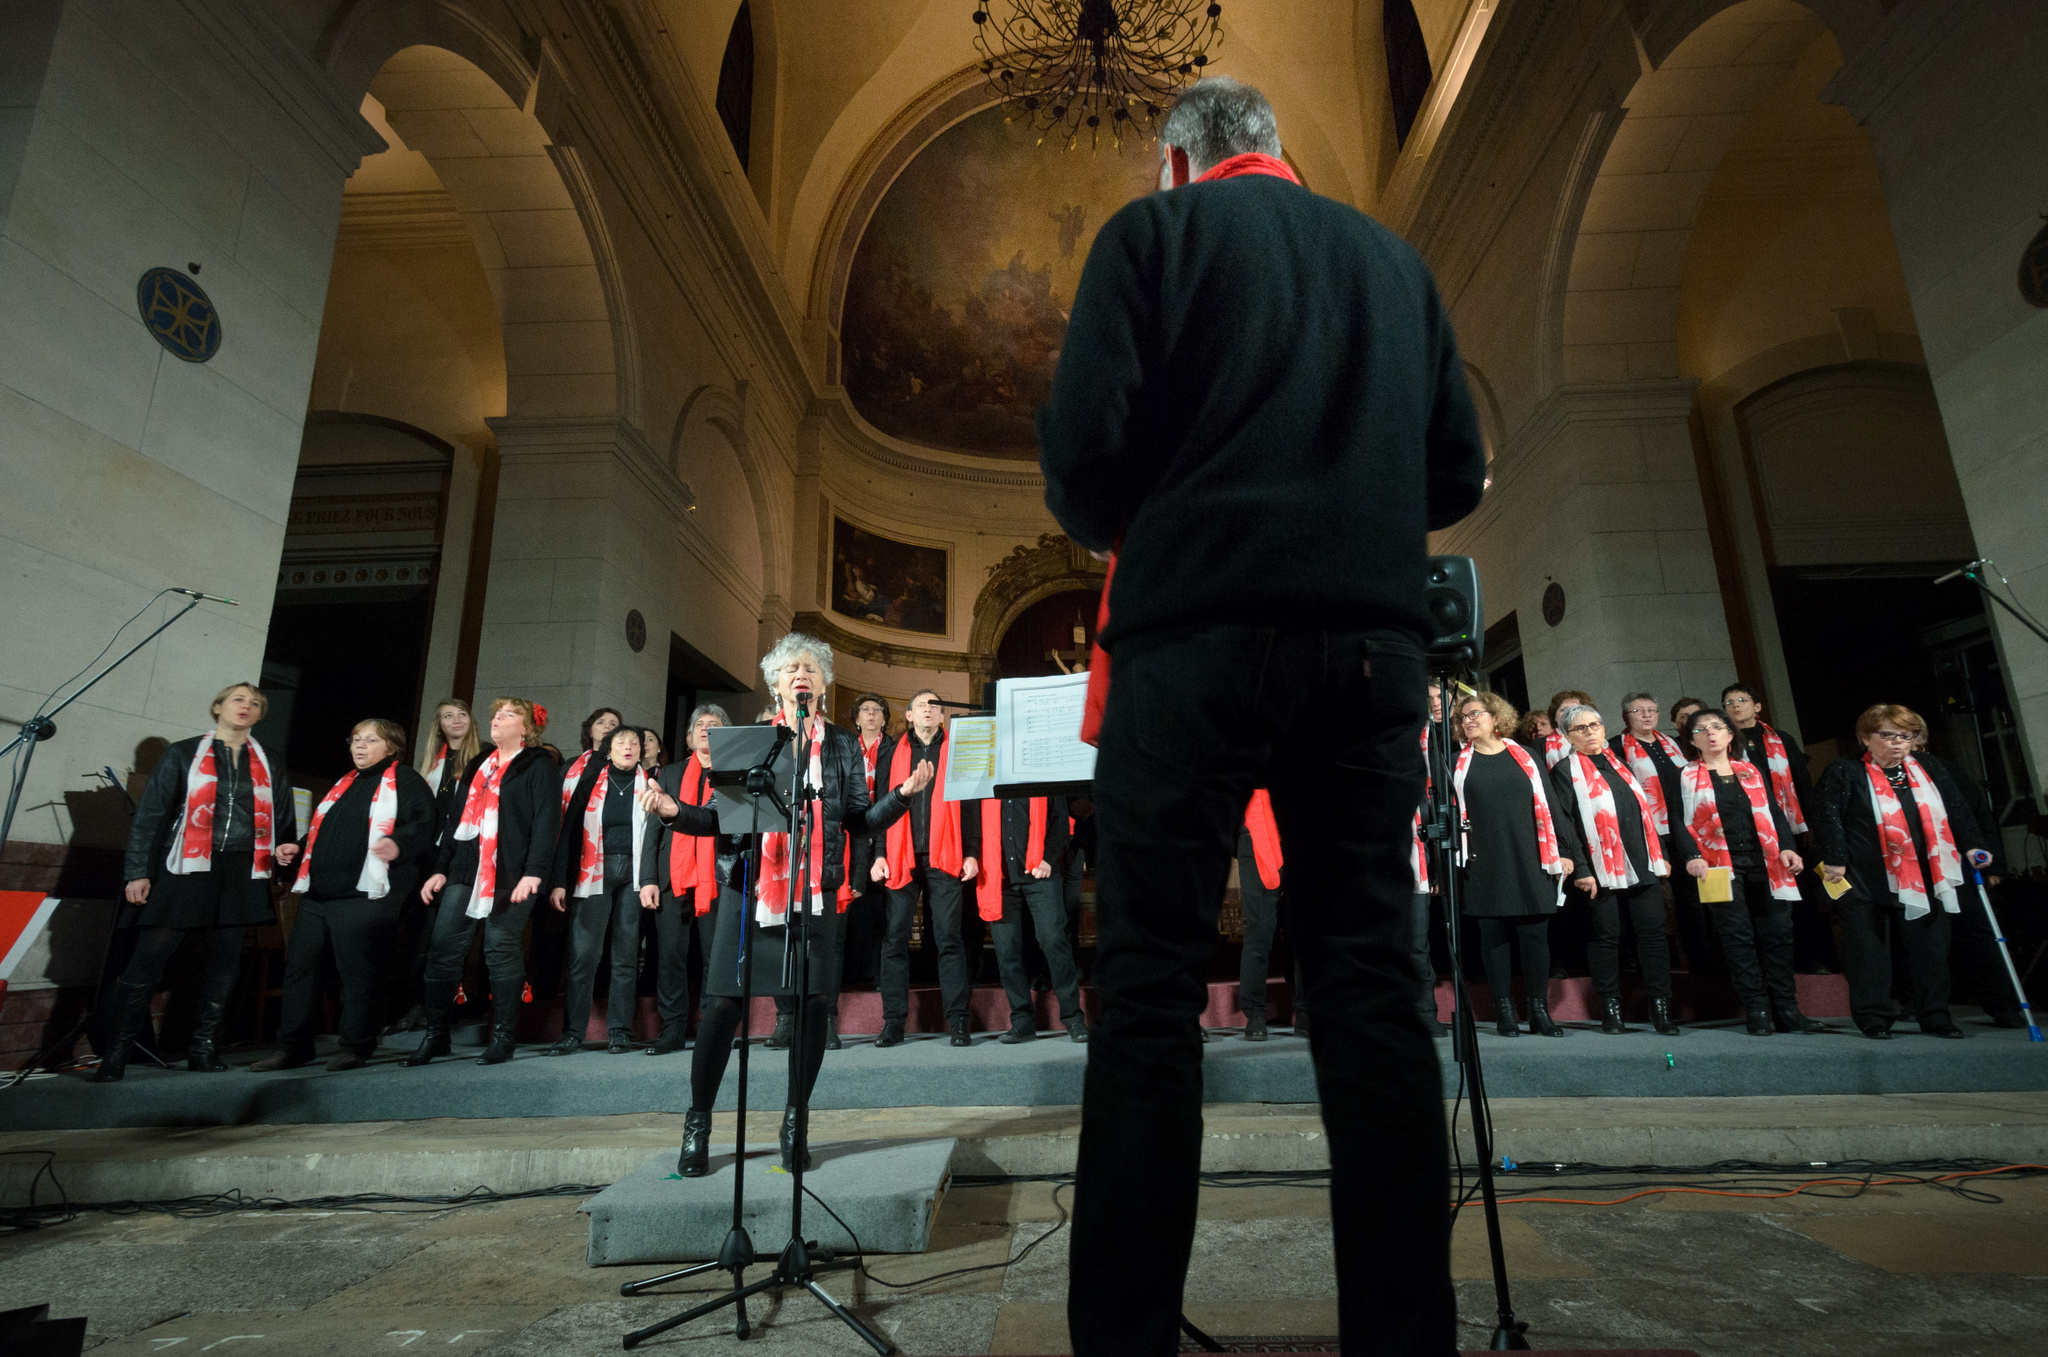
x,y
1098,658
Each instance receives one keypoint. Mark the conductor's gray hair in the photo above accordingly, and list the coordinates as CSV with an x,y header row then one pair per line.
x,y
708,709
788,648
1571,714
1217,118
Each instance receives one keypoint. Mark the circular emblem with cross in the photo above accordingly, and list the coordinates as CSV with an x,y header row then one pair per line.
x,y
179,313
1553,603
636,631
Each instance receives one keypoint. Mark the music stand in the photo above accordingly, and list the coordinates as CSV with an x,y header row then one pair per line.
x,y
795,1266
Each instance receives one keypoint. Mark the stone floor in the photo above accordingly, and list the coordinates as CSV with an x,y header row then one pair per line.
x,y
1904,1271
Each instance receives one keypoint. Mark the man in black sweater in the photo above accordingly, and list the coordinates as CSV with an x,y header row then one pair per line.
x,y
1260,407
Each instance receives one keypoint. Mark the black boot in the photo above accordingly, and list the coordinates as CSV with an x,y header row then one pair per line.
x,y
1660,1018
200,1055
785,1027
832,1034
789,1140
1790,1019
1021,1029
1610,1017
671,1040
695,1160
434,1043
503,1042
958,1028
1540,1021
1077,1029
1759,1023
892,1033
1255,1027
1504,1020
131,1014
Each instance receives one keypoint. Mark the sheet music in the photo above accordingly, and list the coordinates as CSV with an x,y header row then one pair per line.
x,y
970,758
1038,726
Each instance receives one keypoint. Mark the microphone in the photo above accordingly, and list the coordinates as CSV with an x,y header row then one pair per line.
x,y
210,598
1958,574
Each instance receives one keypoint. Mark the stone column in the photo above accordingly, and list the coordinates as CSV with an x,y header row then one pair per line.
x,y
585,535
1953,96
1599,494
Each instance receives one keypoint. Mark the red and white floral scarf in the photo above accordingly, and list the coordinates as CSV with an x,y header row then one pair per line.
x,y
439,770
1703,818
693,861
1780,770
869,754
1546,828
1611,865
1645,769
772,907
590,862
1418,855
375,880
1555,747
1265,830
480,822
192,837
1901,864
571,774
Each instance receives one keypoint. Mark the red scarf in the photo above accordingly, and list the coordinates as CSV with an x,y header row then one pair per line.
x,y
440,768
988,887
1418,856
693,862
1266,855
1901,864
1555,747
1703,818
1645,769
1249,163
772,910
1780,770
192,837
569,776
1611,866
480,822
375,880
869,754
1546,828
590,864
943,847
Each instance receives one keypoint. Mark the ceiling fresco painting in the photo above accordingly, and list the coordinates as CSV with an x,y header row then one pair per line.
x,y
957,301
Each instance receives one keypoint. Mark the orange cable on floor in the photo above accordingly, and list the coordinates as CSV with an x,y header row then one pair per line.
x,y
1791,1192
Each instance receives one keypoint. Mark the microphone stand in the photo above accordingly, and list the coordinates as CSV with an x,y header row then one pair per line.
x,y
1970,573
1442,829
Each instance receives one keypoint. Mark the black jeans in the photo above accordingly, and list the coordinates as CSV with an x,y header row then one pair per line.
x,y
154,948
1420,907
1263,919
1644,902
1531,933
503,958
680,980
1756,936
360,933
1043,905
614,909
955,979
1197,718
1867,930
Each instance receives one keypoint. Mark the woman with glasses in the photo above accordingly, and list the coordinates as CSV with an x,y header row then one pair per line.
x,y
1513,868
1620,862
1896,828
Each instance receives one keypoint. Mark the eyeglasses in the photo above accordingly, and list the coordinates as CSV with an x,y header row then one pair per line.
x,y
1584,726
1896,736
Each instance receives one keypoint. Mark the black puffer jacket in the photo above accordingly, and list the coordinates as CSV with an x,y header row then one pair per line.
x,y
529,812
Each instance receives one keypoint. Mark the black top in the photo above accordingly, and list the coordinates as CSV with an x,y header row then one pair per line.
x,y
654,866
1981,809
1016,831
1260,396
867,847
1667,772
617,815
1628,817
163,799
529,811
1845,827
1749,745
345,835
921,804
1504,874
1738,822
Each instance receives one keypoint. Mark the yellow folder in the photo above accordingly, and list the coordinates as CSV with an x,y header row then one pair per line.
x,y
1717,887
1835,889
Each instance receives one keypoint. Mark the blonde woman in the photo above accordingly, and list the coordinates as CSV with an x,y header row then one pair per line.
x,y
448,749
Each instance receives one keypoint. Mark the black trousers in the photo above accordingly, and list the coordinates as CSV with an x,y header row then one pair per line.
x,y
1529,932
679,983
1420,907
155,946
955,979
1262,922
1867,930
1644,903
1042,905
1756,935
360,934
1197,718
503,957
615,910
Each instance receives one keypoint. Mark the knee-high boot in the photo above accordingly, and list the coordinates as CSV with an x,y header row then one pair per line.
x,y
131,1011
214,993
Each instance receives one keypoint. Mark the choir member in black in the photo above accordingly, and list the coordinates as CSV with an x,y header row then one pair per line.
x,y
924,854
1261,869
606,843
798,671
867,917
360,866
1973,945
1555,745
1607,833
1656,759
1020,839
445,752
549,942
1513,870
1534,732
495,856
1727,809
1784,766
1680,710
687,870
650,750
1893,826
214,819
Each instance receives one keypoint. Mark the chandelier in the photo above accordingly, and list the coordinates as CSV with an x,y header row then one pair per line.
x,y
1075,67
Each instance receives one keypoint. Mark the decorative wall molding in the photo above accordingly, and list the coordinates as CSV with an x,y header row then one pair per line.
x,y
822,626
291,79
401,221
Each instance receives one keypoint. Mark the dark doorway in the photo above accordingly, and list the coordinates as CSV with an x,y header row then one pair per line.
x,y
337,663
1501,666
1062,625
694,679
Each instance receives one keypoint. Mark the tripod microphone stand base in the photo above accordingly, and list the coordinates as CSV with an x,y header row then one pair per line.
x,y
796,1267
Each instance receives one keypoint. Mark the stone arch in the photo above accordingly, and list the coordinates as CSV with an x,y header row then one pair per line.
x,y
484,110
715,417
1055,565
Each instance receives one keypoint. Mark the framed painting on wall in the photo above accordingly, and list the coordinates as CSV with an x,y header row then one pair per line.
x,y
886,583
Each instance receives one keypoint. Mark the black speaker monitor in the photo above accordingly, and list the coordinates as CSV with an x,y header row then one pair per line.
x,y
1456,616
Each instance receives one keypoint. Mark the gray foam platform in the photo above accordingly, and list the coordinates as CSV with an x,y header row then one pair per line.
x,y
887,1192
